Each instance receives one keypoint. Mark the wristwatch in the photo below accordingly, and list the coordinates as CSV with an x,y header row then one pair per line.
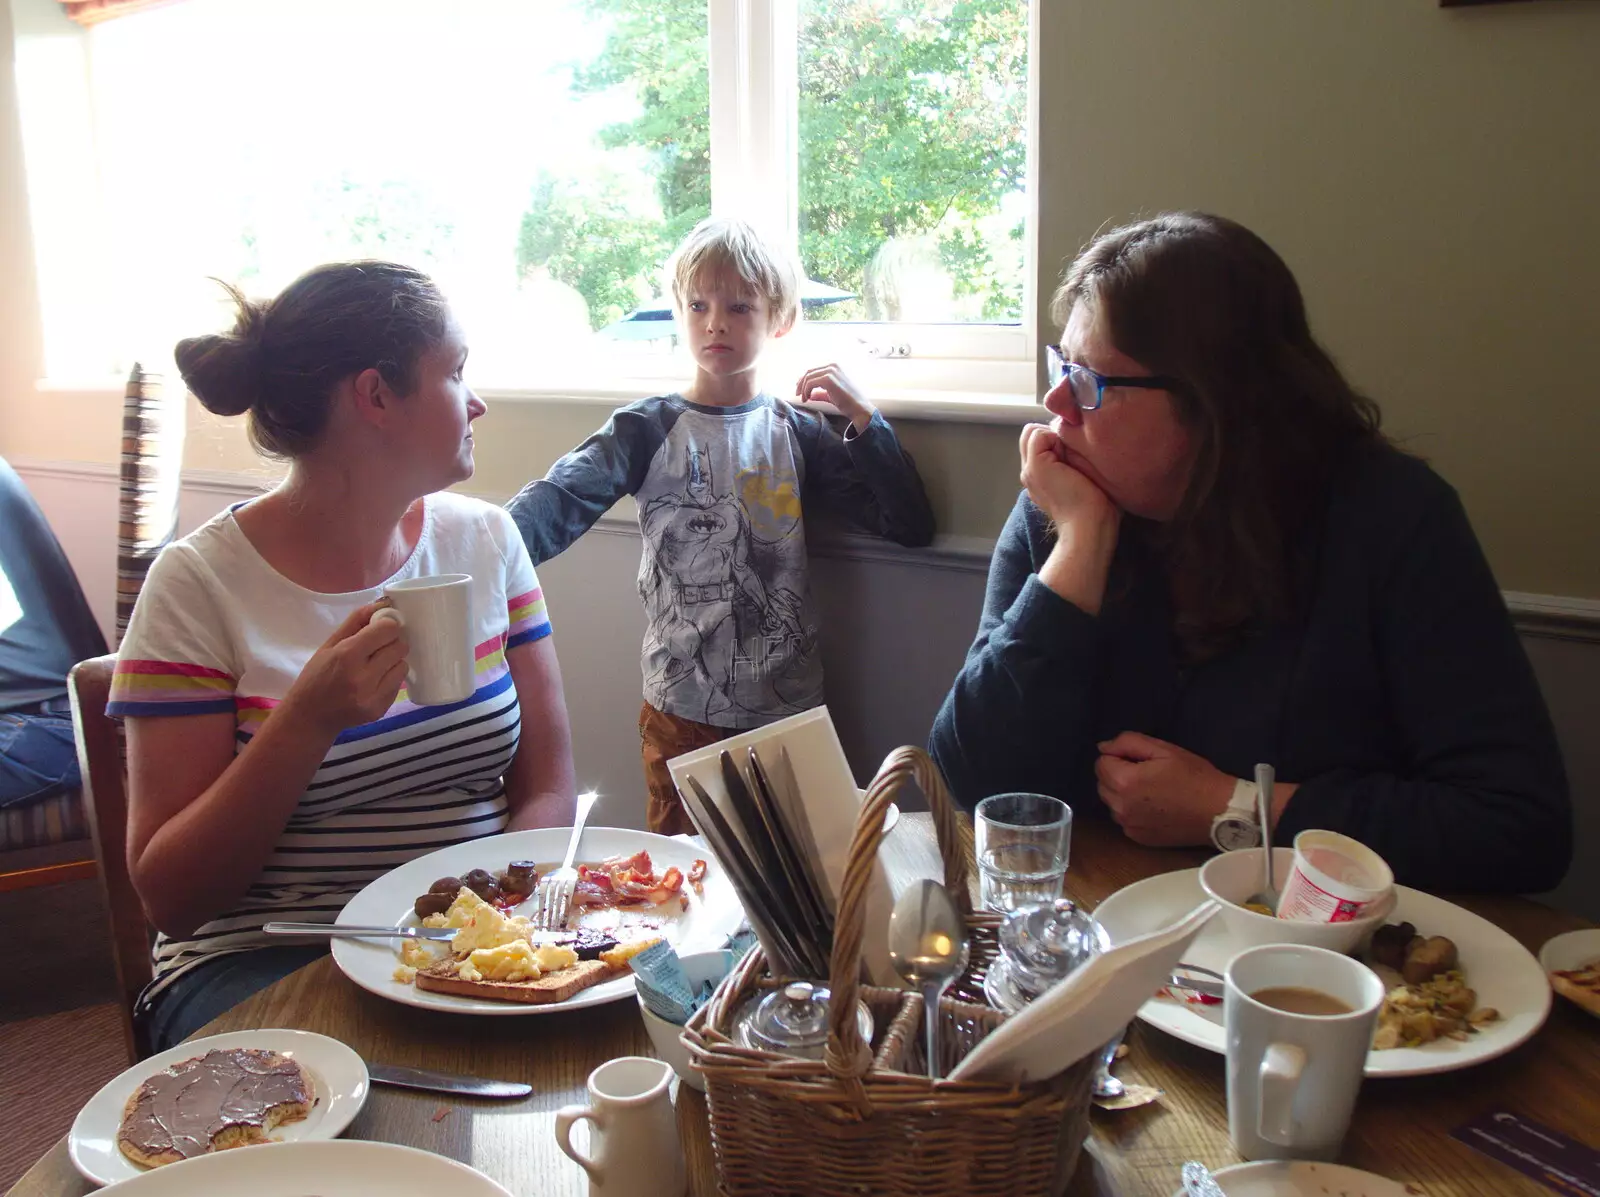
x,y
1238,826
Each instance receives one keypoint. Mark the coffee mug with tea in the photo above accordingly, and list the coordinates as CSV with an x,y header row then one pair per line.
x,y
634,1150
1299,1024
436,613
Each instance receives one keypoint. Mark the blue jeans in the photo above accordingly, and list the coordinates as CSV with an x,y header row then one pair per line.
x,y
38,757
215,987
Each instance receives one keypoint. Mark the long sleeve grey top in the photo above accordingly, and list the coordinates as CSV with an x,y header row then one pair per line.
x,y
730,637
1400,699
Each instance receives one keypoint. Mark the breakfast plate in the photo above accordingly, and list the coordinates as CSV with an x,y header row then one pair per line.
x,y
1573,950
1503,972
337,1074
711,917
337,1168
1300,1178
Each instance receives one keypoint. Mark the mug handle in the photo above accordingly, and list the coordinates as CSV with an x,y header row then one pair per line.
x,y
565,1117
1281,1069
392,614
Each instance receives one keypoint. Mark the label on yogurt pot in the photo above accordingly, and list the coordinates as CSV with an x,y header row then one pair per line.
x,y
1334,879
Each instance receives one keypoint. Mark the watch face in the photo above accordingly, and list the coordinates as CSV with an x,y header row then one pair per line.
x,y
1231,834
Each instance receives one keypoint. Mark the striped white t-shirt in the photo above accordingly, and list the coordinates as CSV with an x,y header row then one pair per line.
x,y
218,629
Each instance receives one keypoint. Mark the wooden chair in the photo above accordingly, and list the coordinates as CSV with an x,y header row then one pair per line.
x,y
105,795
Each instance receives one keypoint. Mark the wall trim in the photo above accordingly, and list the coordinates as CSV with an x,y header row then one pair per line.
x,y
1551,616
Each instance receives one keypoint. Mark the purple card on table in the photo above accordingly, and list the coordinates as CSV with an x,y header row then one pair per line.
x,y
1549,1157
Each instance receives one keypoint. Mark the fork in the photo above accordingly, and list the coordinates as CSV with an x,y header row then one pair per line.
x,y
556,887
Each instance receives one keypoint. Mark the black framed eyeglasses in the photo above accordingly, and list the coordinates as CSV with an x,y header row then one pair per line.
x,y
1089,387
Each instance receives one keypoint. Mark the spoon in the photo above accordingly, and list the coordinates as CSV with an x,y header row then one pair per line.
x,y
928,948
1198,1181
1268,896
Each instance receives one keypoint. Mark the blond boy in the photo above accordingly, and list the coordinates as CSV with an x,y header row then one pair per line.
x,y
722,473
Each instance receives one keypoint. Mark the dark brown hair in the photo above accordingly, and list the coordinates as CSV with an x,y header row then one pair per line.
x,y
1207,301
284,356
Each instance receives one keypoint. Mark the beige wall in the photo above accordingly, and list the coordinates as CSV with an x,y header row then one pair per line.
x,y
1431,175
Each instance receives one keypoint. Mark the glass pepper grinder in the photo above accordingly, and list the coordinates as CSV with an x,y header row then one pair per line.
x,y
1039,946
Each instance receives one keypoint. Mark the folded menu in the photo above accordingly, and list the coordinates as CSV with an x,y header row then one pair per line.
x,y
778,807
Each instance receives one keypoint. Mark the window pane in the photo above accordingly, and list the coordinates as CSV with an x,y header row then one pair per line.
x,y
913,156
539,159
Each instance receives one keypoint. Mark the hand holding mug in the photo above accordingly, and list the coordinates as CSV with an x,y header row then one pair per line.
x,y
354,677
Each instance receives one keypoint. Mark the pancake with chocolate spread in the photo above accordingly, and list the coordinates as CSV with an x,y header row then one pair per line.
x,y
227,1098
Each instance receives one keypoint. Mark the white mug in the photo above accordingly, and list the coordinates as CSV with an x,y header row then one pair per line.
x,y
1293,1077
633,1136
436,613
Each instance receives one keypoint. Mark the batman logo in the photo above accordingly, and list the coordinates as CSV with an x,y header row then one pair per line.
x,y
707,524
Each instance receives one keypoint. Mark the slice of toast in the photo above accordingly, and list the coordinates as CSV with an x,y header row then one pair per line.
x,y
557,986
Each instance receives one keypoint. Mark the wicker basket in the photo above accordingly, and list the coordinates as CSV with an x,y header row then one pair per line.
x,y
872,1122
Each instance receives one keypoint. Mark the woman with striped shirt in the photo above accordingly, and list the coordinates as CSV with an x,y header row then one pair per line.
x,y
275,763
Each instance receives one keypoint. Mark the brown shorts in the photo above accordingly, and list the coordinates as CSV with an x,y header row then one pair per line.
x,y
662,737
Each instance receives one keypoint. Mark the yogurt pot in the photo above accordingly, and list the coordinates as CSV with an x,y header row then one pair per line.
x,y
1333,879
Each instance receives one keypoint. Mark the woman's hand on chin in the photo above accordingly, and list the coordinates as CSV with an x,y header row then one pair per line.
x,y
1158,793
1064,493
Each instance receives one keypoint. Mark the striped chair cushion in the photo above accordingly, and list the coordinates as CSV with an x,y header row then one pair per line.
x,y
152,462
58,820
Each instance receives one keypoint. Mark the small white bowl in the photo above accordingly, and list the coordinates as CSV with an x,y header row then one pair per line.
x,y
1572,950
664,1036
1233,876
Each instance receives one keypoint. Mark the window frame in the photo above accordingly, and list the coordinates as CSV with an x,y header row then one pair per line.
x,y
754,105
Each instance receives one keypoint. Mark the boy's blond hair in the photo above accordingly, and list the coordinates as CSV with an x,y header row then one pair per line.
x,y
724,247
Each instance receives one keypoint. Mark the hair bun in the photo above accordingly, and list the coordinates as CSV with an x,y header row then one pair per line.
x,y
224,370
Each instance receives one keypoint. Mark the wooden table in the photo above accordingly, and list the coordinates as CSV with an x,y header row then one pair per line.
x,y
1401,1128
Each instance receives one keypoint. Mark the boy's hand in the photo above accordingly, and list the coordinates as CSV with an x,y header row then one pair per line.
x,y
830,384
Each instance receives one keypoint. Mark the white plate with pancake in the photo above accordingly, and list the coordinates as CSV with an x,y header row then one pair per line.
x,y
712,915
336,1168
1502,971
338,1078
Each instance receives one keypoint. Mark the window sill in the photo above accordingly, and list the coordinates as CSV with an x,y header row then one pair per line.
x,y
899,403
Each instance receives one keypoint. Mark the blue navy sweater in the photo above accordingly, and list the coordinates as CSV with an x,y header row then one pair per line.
x,y
1400,698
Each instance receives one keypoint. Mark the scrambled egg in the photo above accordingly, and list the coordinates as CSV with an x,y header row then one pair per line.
x,y
416,953
515,961
496,947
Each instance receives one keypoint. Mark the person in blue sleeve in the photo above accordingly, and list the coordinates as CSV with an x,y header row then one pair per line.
x,y
723,474
1218,559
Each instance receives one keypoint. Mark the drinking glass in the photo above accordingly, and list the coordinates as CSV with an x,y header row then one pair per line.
x,y
1022,841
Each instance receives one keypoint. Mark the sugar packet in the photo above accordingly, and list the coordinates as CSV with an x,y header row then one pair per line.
x,y
663,985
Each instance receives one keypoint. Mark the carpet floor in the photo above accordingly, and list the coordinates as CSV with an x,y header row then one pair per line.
x,y
60,1029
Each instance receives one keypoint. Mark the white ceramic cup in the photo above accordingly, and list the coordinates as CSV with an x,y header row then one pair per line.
x,y
634,1150
1293,1078
436,613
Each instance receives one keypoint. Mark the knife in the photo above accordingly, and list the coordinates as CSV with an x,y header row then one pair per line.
x,y
351,931
445,1082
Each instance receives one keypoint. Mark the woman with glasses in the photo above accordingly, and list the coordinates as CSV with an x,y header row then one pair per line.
x,y
1218,560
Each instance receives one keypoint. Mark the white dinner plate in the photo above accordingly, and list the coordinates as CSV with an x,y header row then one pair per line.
x,y
1296,1178
338,1077
339,1168
1575,949
1502,971
712,916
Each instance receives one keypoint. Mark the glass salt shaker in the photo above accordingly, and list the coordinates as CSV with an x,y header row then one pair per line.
x,y
793,1021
